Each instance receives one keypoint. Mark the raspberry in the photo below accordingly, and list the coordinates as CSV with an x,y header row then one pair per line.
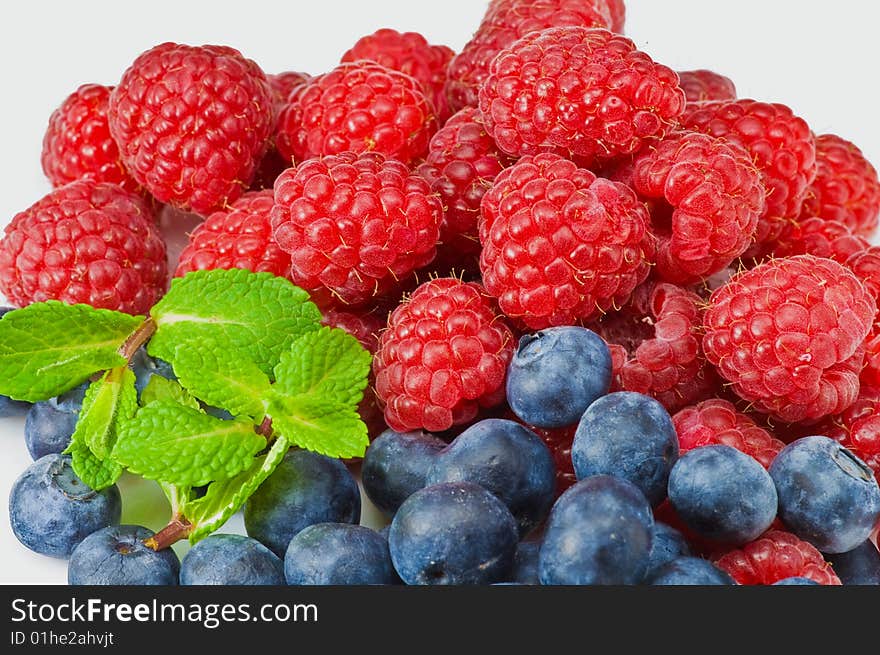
x,y
282,84
706,86
559,442
789,336
866,265
78,144
86,242
618,14
717,422
578,91
505,22
461,165
705,198
355,225
781,145
774,556
361,107
444,355
559,244
410,53
846,188
871,372
192,123
858,428
655,346
819,237
237,237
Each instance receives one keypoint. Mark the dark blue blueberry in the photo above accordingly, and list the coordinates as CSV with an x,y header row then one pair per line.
x,y
454,533
667,544
599,533
630,436
859,566
827,495
231,559
384,530
395,466
506,458
795,582
117,556
556,374
144,367
51,510
305,489
722,494
690,571
49,425
525,564
338,554
10,407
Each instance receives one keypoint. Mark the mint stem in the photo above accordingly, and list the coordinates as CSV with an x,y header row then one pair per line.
x,y
179,528
138,338
265,429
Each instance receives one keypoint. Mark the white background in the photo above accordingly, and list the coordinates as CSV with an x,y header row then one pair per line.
x,y
819,58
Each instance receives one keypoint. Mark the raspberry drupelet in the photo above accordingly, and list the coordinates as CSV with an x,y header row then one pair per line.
x,y
858,428
820,237
706,86
282,84
774,556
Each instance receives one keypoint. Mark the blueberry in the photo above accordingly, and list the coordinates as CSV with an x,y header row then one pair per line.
x,y
305,489
144,367
690,571
231,559
117,556
338,554
630,436
10,407
395,466
859,566
525,564
556,374
452,534
795,581
667,544
51,510
47,429
506,458
827,495
599,533
722,494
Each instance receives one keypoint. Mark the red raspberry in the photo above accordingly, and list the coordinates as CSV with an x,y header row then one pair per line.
x,y
361,107
282,84
410,53
717,422
505,22
618,14
77,143
355,225
559,442
871,372
705,198
461,165
705,86
846,188
86,242
819,237
237,237
578,91
444,355
192,123
559,244
781,145
858,428
655,346
774,556
866,265
789,336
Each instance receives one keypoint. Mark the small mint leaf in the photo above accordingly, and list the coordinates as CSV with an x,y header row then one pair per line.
x,y
108,402
322,426
159,388
98,474
177,496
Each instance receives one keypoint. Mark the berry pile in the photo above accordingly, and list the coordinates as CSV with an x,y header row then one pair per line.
x,y
623,324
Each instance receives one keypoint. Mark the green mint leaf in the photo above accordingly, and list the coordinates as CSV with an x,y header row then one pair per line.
x,y
225,497
108,402
48,348
323,426
159,388
172,443
329,364
256,314
97,473
177,496
222,378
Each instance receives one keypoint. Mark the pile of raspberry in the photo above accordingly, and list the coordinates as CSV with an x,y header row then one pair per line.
x,y
440,205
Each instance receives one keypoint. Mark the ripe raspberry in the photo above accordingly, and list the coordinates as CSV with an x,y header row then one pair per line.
x,y
559,442
846,188
505,22
444,355
410,53
461,165
192,123
655,346
237,237
361,107
866,265
706,86
77,143
789,335
618,15
282,84
578,91
559,244
705,198
781,145
355,225
819,237
871,372
86,242
774,556
717,422
858,428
